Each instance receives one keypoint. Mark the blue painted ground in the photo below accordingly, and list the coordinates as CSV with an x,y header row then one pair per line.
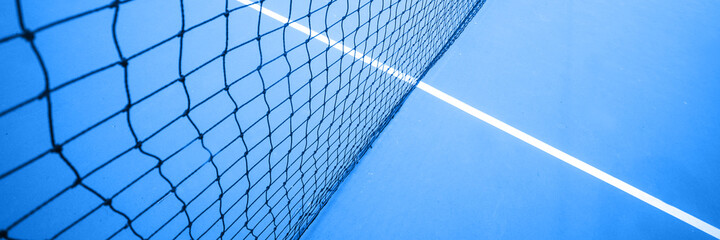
x,y
629,87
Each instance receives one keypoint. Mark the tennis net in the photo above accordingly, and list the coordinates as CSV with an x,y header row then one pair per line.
x,y
195,119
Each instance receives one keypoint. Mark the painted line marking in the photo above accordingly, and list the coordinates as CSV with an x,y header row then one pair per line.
x,y
587,168
332,43
639,194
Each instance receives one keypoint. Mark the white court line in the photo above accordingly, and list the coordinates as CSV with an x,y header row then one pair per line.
x,y
332,43
643,196
637,193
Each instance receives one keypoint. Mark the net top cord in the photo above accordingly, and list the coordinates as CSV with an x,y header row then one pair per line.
x,y
192,119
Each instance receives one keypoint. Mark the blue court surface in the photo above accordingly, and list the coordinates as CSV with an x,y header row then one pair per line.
x,y
240,119
629,87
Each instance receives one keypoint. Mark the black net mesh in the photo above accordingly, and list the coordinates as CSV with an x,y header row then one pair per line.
x,y
194,119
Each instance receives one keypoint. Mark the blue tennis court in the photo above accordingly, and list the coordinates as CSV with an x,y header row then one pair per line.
x,y
394,119
629,88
